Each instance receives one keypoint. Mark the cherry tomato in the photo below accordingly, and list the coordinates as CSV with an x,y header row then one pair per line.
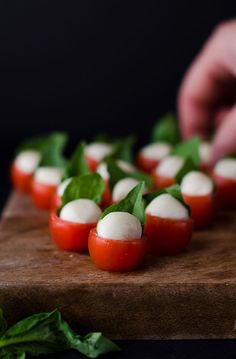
x,y
92,163
167,236
116,255
106,197
69,236
162,182
21,180
226,192
42,194
56,201
146,164
203,209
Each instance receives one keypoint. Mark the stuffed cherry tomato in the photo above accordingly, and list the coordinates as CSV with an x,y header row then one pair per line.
x,y
23,168
205,150
117,243
198,192
44,184
168,227
224,175
150,156
96,152
123,187
70,230
164,174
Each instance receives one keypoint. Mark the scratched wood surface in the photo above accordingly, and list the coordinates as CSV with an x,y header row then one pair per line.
x,y
192,295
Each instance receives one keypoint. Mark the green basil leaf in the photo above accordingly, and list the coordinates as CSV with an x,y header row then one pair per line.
x,y
89,186
46,333
3,324
123,149
77,165
52,151
102,137
188,166
190,149
166,129
116,174
174,191
132,203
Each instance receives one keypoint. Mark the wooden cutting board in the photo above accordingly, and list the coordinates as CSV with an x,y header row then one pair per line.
x,y
192,295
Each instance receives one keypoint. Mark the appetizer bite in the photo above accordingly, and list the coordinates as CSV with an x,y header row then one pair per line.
x,y
168,226
198,192
224,175
95,152
71,223
117,243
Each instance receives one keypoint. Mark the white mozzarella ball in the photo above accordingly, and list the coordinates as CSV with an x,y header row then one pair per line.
x,y
196,183
205,151
123,187
103,171
226,168
98,150
125,166
48,175
81,211
62,186
120,226
156,151
166,206
27,161
170,166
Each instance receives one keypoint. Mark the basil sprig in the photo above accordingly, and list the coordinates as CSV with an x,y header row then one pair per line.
x,y
52,151
189,148
188,166
123,149
132,203
46,333
116,174
90,186
174,191
76,165
166,129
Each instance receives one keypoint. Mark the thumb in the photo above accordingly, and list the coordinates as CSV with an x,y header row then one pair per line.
x,y
225,138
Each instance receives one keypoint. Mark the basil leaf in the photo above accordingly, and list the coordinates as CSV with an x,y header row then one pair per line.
x,y
52,151
77,165
166,129
132,203
174,191
116,174
190,149
102,137
3,324
45,333
188,166
89,186
123,149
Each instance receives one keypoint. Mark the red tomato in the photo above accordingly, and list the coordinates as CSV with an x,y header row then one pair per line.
x,y
21,180
69,236
167,236
226,192
92,163
116,255
203,209
42,194
106,197
162,182
56,201
146,164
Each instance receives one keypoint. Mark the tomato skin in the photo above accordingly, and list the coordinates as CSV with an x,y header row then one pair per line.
x,y
106,197
226,191
42,194
167,236
69,236
203,209
146,164
162,182
56,202
91,163
116,255
20,180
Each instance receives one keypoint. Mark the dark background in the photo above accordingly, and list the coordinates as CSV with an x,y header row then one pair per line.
x,y
92,66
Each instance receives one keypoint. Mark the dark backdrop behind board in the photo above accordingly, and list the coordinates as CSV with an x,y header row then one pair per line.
x,y
89,66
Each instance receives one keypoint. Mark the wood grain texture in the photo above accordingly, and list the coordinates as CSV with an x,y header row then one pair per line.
x,y
192,295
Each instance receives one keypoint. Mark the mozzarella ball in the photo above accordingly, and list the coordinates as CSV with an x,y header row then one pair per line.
x,y
196,183
48,175
27,161
156,151
120,226
81,211
226,168
167,206
123,187
62,186
205,150
98,150
103,171
125,166
170,166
